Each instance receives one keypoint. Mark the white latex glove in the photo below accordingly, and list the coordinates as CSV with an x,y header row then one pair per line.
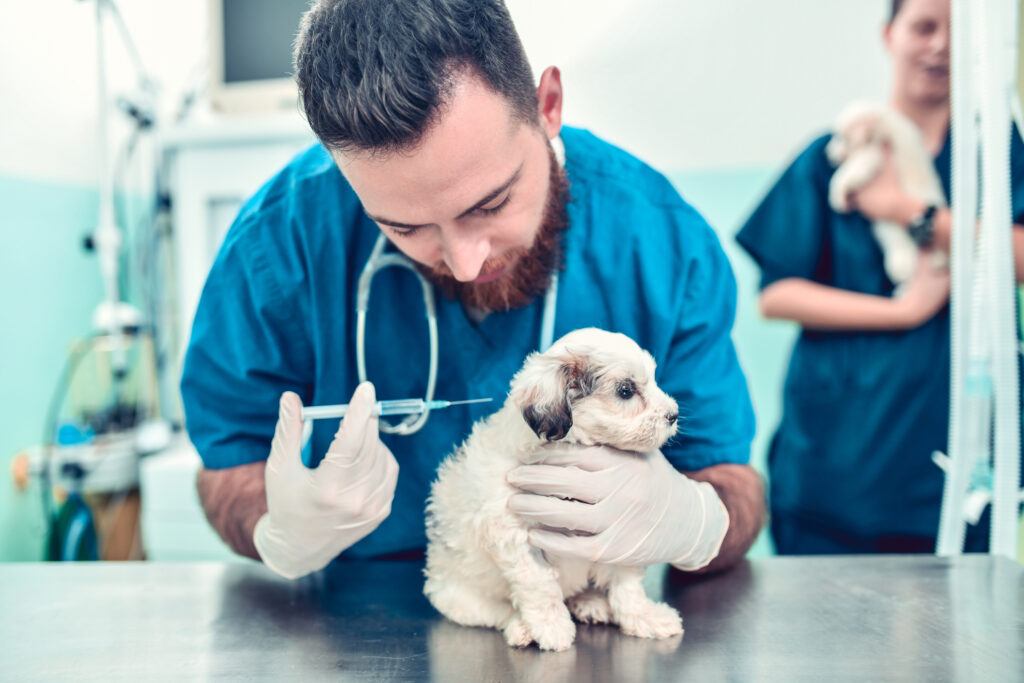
x,y
314,514
626,508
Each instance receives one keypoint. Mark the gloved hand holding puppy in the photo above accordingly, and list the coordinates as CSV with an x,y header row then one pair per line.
x,y
608,506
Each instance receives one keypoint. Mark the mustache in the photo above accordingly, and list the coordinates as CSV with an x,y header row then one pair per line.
x,y
489,267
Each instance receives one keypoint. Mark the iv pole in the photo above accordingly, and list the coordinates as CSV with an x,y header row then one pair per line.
x,y
984,439
112,316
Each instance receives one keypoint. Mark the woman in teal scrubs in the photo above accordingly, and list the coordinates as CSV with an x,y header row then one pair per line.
x,y
866,399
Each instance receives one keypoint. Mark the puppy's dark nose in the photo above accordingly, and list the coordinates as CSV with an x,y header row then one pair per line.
x,y
672,417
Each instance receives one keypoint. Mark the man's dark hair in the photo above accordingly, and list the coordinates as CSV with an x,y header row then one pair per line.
x,y
373,74
894,9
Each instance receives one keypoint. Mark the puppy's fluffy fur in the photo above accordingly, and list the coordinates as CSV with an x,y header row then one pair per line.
x,y
480,569
857,147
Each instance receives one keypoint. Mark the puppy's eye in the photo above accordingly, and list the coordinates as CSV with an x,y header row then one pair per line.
x,y
625,390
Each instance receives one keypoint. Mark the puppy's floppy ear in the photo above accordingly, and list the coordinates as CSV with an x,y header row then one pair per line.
x,y
545,388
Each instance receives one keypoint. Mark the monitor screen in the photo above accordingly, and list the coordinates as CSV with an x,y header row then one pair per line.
x,y
257,38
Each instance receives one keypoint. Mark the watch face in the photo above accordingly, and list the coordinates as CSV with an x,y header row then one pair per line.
x,y
922,229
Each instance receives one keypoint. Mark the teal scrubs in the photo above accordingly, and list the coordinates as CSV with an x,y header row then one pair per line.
x,y
278,313
851,462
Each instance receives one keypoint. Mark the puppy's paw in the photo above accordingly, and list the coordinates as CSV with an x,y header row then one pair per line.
x,y
655,620
591,607
554,632
516,632
900,264
839,197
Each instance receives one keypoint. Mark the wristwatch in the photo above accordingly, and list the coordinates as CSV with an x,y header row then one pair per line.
x,y
922,228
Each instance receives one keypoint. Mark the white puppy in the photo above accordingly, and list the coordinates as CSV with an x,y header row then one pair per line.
x,y
591,388
857,147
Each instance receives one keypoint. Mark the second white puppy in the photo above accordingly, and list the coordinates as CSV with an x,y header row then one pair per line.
x,y
593,388
863,132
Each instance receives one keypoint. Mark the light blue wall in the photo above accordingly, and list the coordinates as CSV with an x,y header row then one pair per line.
x,y
49,288
725,198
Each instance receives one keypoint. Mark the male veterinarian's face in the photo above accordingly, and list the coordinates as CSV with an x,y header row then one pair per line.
x,y
918,43
479,204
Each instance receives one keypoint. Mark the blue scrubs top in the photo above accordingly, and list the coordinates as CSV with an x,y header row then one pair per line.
x,y
862,411
278,313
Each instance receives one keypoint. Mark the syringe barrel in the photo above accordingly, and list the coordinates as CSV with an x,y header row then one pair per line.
x,y
323,412
404,406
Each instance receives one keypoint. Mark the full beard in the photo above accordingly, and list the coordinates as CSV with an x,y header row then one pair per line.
x,y
531,268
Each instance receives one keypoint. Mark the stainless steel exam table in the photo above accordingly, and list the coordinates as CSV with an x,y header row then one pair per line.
x,y
912,618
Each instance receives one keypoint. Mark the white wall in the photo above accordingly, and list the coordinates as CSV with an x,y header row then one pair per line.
x,y
686,84
48,77
697,84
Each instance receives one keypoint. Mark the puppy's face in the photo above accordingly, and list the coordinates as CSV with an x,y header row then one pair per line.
x,y
595,388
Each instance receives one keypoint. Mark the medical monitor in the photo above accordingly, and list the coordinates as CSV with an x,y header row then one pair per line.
x,y
251,54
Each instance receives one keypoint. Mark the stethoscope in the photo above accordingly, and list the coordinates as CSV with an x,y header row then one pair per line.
x,y
378,261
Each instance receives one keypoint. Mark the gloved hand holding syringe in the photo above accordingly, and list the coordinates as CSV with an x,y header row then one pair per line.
x,y
315,513
400,406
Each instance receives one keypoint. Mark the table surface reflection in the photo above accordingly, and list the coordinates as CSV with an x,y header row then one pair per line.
x,y
788,619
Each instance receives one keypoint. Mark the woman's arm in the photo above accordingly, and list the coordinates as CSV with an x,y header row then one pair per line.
x,y
821,307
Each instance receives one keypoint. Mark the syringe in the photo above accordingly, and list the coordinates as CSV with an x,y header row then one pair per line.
x,y
402,406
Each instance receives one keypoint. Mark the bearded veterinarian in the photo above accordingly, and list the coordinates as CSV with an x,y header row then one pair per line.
x,y
437,145
866,400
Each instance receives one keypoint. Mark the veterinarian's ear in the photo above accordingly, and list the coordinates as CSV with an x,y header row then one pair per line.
x,y
545,388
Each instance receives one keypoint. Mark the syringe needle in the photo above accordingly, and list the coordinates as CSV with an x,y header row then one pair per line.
x,y
468,401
